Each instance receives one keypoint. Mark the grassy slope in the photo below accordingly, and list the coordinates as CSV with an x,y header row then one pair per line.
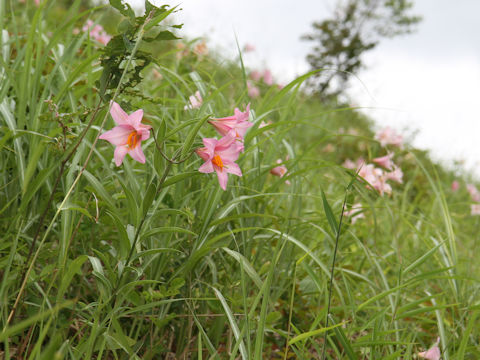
x,y
214,274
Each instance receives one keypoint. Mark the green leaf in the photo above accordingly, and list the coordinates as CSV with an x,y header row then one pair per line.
x,y
187,145
329,213
309,334
149,197
124,9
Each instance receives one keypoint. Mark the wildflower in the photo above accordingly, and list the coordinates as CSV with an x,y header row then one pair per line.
x,y
263,124
388,136
182,50
349,164
195,101
455,185
220,156
200,49
255,75
280,170
375,178
96,32
475,209
355,213
267,77
248,48
431,354
253,91
395,175
385,161
474,193
128,135
238,122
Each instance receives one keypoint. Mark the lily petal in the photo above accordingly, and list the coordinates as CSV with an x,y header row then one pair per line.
x,y
120,116
118,135
119,154
137,154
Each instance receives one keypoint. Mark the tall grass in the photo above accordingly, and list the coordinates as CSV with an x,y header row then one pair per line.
x,y
154,260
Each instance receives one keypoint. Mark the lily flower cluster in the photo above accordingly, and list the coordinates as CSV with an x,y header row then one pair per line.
x,y
388,136
378,177
96,32
220,155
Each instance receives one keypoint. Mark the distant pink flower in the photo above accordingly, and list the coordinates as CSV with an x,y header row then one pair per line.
x,y
220,156
395,175
237,122
201,49
96,32
267,77
388,136
253,91
474,193
128,135
431,354
475,209
280,170
349,164
375,178
385,161
248,48
455,185
195,101
355,212
255,75
37,2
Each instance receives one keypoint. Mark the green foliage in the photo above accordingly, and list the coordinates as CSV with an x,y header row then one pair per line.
x,y
154,260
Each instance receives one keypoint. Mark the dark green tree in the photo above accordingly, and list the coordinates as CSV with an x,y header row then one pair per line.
x,y
355,27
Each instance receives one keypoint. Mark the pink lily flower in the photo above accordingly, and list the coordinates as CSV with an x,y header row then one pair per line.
x,y
385,161
474,193
395,175
375,178
349,164
96,32
431,354
195,101
255,75
475,209
237,122
455,185
220,156
249,48
253,91
281,170
267,77
388,136
128,135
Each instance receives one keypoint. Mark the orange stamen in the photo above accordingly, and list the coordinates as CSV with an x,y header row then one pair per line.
x,y
133,139
217,160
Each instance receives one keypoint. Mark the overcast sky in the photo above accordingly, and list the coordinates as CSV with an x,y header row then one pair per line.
x,y
428,81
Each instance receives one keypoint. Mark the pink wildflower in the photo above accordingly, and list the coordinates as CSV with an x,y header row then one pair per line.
x,y
253,91
355,212
431,354
475,209
385,161
220,156
474,193
96,32
395,175
267,77
388,136
263,124
200,49
255,75
128,135
375,178
280,170
455,185
248,48
237,122
195,101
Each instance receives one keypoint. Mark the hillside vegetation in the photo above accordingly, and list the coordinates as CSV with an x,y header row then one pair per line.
x,y
115,246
